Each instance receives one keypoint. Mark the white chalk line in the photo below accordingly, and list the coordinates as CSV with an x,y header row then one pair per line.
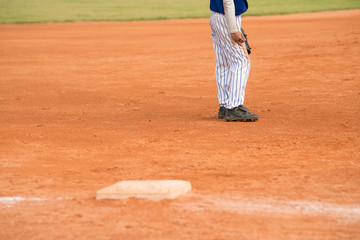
x,y
241,205
10,201
268,206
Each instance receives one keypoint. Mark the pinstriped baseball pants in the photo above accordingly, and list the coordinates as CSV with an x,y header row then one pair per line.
x,y
232,67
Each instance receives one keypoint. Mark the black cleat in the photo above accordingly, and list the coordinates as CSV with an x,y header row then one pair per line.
x,y
240,114
222,111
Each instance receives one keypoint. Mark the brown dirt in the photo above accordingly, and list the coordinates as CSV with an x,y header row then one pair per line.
x,y
84,105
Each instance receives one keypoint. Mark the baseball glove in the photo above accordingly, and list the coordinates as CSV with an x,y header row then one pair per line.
x,y
248,48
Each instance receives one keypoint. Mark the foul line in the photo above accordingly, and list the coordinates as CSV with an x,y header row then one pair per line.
x,y
241,205
12,200
268,206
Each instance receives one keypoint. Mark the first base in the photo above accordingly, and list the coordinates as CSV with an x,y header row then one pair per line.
x,y
151,189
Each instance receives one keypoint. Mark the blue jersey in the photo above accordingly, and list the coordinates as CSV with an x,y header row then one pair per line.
x,y
240,6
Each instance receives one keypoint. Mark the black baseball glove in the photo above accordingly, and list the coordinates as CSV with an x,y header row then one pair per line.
x,y
248,48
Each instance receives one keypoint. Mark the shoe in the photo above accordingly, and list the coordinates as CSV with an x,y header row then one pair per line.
x,y
222,111
241,114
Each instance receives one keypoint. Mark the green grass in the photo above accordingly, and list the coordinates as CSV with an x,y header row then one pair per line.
x,y
270,7
30,11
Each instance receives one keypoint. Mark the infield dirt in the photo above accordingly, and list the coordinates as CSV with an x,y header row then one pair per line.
x,y
84,105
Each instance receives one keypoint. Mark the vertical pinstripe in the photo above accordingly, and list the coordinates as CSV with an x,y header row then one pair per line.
x,y
232,67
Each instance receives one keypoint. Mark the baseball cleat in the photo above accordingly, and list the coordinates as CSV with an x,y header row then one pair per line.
x,y
240,114
222,111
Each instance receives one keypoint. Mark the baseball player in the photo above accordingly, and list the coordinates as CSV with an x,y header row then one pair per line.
x,y
232,60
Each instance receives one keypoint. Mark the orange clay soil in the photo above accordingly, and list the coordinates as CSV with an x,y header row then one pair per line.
x,y
87,104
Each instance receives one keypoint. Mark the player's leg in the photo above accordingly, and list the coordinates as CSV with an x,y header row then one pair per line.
x,y
222,64
239,73
240,70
